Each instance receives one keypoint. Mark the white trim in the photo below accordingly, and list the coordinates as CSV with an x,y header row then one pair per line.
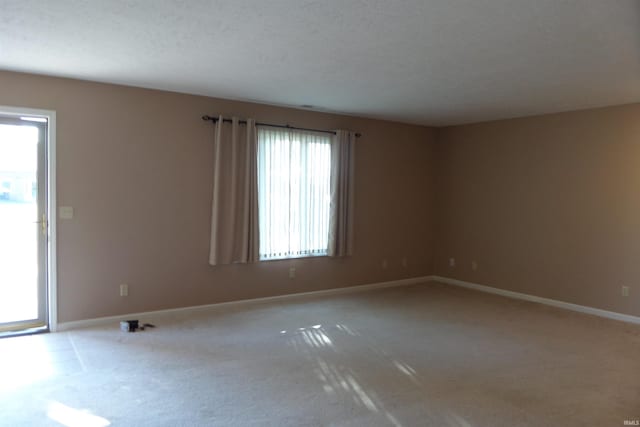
x,y
100,321
52,279
53,224
546,301
65,326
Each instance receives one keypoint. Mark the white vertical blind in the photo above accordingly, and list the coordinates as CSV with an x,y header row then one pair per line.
x,y
294,180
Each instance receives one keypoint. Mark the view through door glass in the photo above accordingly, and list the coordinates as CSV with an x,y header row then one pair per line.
x,y
22,273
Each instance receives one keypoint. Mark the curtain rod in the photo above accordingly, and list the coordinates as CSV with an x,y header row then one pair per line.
x,y
215,119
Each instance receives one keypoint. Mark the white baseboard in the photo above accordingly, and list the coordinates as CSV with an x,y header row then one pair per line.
x,y
99,321
147,316
547,301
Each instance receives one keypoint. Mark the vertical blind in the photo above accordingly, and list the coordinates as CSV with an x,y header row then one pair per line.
x,y
294,192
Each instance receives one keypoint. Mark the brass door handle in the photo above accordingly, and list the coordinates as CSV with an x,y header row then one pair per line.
x,y
44,224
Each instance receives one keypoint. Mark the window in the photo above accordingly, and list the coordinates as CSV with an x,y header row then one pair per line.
x,y
294,180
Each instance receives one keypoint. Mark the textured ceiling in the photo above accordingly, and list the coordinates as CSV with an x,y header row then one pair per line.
x,y
434,62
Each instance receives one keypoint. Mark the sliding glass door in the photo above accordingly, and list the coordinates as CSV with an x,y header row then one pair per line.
x,y
23,223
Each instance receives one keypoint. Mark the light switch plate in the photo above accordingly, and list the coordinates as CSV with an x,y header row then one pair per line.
x,y
66,212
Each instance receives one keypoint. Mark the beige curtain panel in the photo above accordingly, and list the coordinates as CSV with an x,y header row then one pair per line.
x,y
234,207
342,197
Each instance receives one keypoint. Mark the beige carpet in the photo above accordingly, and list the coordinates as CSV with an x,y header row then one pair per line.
x,y
426,355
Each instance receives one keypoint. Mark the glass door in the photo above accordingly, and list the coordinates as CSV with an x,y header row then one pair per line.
x,y
23,223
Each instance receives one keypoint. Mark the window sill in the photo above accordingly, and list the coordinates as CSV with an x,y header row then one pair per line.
x,y
293,257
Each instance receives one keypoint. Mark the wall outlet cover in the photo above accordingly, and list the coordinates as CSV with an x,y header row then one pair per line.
x,y
65,212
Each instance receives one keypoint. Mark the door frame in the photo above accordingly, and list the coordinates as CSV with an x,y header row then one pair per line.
x,y
51,204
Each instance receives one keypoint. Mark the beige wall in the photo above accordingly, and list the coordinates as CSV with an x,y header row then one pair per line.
x,y
546,205
136,166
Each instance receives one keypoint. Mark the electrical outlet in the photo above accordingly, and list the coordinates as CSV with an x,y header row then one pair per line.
x,y
474,265
292,272
124,290
452,262
625,291
385,264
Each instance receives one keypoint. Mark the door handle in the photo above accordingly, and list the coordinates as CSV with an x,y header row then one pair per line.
x,y
44,224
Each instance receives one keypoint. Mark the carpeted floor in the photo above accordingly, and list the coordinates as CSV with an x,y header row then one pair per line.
x,y
425,355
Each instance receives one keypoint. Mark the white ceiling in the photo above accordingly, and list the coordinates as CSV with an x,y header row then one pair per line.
x,y
431,62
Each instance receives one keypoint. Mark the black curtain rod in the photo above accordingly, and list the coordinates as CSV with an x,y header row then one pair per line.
x,y
215,119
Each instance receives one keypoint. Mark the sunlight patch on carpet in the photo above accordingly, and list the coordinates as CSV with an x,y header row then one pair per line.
x,y
71,417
